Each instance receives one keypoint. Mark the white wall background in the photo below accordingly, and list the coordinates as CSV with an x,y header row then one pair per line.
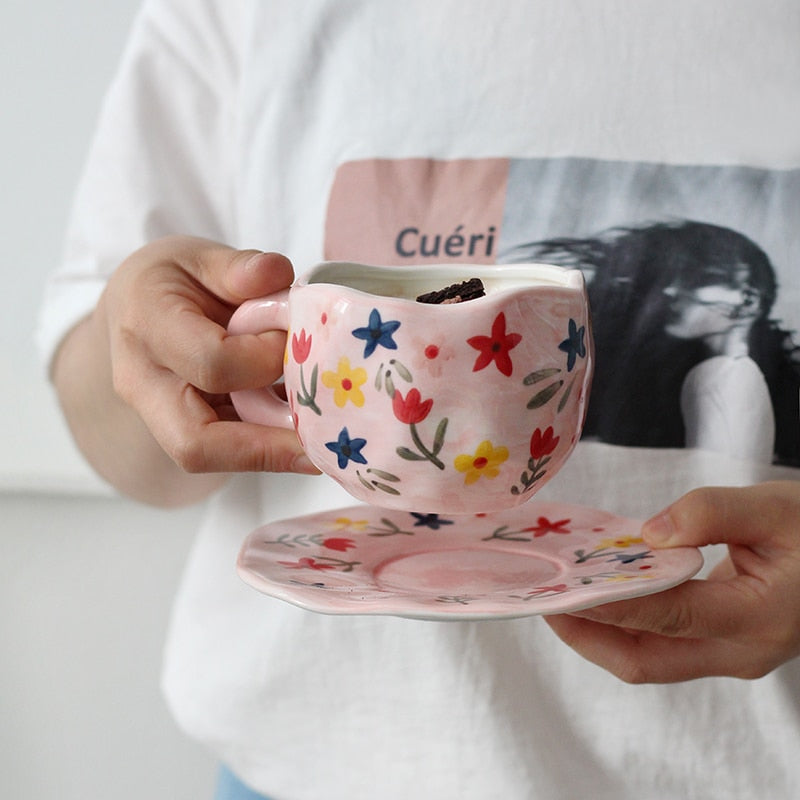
x,y
85,578
55,61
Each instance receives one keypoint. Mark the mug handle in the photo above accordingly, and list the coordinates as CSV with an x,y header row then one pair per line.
x,y
262,406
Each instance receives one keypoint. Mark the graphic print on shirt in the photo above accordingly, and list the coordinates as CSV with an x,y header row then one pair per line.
x,y
691,275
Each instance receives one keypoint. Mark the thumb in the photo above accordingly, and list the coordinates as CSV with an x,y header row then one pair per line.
x,y
252,273
716,515
231,275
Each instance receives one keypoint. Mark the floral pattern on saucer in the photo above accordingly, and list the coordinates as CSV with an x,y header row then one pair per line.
x,y
536,559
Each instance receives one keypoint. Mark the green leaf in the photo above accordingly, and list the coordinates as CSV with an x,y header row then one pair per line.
x,y
386,488
547,394
409,455
438,439
387,476
365,483
540,375
402,370
563,401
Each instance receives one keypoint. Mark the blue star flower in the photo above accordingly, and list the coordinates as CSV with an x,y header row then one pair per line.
x,y
629,558
574,345
377,333
432,521
347,449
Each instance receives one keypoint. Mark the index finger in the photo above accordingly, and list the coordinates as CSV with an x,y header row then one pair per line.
x,y
640,657
697,609
204,354
194,436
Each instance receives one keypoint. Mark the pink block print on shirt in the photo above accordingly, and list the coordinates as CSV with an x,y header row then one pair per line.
x,y
416,211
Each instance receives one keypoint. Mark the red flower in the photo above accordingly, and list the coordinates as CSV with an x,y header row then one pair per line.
x,y
306,563
413,408
542,444
559,588
338,543
495,347
301,346
543,526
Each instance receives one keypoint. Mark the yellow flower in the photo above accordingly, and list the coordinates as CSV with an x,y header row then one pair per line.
x,y
621,541
345,383
485,462
347,524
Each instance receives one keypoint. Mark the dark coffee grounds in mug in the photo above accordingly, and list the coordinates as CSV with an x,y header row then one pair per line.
x,y
457,293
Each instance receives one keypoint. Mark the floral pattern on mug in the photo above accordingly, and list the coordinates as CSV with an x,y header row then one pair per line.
x,y
347,449
301,346
542,445
431,357
574,345
485,463
495,347
346,383
411,410
332,366
377,332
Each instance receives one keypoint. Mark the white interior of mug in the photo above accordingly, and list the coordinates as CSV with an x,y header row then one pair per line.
x,y
408,282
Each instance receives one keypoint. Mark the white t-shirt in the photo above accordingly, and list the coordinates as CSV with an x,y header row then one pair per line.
x,y
582,132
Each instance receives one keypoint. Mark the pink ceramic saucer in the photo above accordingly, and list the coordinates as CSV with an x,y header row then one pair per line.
x,y
539,558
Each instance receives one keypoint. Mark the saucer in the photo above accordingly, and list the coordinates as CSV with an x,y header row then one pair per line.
x,y
539,558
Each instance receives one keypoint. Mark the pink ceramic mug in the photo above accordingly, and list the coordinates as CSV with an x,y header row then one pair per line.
x,y
456,408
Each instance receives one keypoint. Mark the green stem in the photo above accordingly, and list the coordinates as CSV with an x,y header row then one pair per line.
x,y
307,399
421,447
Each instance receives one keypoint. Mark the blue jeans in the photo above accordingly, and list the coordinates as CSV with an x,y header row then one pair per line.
x,y
229,787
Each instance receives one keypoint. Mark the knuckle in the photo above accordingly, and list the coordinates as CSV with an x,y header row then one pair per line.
x,y
752,672
633,672
640,664
698,508
678,621
125,382
782,643
274,455
267,459
210,371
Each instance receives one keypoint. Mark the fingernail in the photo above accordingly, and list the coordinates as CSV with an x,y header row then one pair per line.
x,y
660,529
253,261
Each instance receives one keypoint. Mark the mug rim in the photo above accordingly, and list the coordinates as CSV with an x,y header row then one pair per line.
x,y
432,277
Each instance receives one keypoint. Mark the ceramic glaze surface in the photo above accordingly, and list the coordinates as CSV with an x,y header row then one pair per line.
x,y
542,558
441,408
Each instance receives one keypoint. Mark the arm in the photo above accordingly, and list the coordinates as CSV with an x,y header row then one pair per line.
x,y
743,621
144,380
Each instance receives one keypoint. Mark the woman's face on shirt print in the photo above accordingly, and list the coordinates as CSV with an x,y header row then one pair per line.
x,y
715,305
